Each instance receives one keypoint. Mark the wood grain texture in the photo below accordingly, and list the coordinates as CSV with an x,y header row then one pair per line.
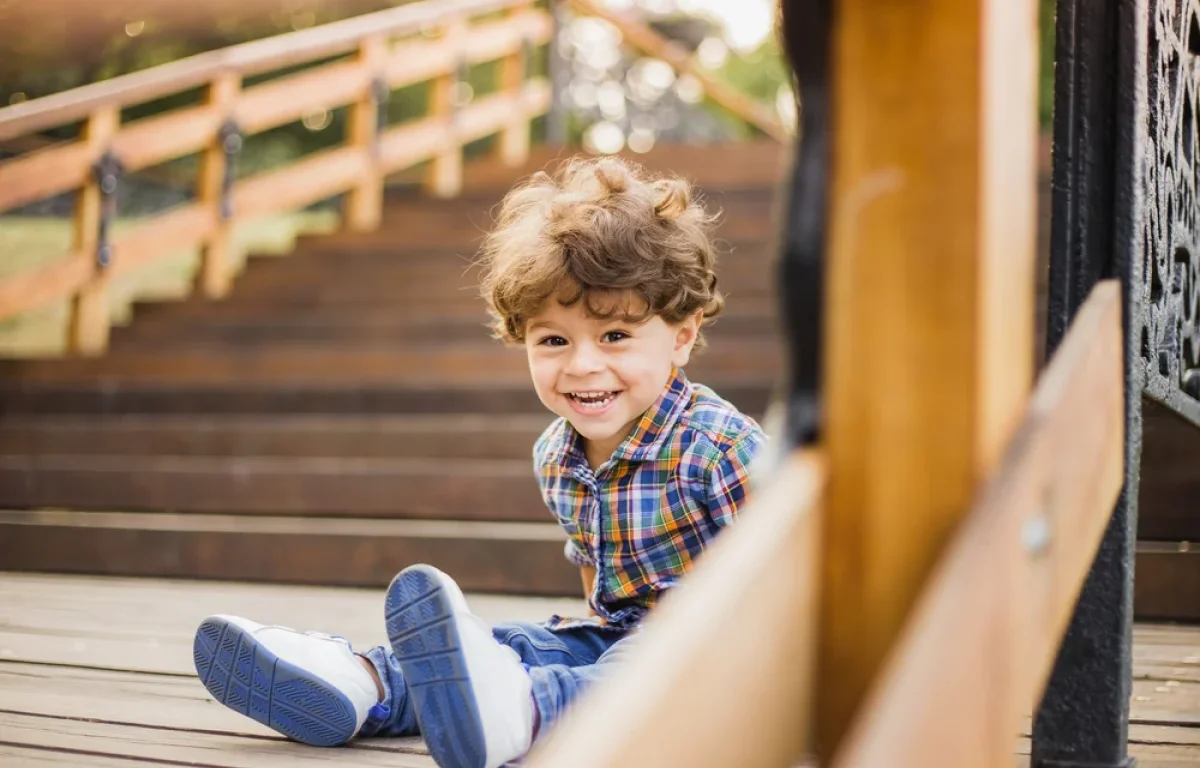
x,y
986,629
930,240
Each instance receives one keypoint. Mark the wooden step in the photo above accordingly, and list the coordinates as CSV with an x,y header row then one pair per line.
x,y
1169,492
438,489
448,436
450,309
445,364
519,558
326,328
114,398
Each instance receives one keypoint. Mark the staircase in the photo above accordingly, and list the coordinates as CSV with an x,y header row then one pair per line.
x,y
343,413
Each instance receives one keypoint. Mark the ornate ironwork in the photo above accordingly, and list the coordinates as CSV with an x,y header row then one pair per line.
x,y
1167,272
107,172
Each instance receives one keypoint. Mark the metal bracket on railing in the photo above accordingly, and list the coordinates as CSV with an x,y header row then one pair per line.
x,y
460,80
107,172
232,141
381,94
526,56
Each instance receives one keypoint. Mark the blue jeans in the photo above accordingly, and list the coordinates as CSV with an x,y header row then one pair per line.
x,y
561,664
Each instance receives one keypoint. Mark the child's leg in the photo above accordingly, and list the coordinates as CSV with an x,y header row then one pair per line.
x,y
400,719
309,686
557,685
473,687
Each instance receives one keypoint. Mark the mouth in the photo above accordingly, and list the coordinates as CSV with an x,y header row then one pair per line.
x,y
592,402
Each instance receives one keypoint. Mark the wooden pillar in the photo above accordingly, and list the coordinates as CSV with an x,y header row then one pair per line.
x,y
930,298
89,322
216,268
514,139
363,205
444,177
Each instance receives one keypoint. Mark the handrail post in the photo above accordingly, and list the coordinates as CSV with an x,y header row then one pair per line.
x,y
362,208
445,172
90,318
514,140
214,186
931,285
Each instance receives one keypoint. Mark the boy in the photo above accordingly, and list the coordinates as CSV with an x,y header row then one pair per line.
x,y
606,278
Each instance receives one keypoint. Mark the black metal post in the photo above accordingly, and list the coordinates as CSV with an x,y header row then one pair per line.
x,y
807,33
1084,714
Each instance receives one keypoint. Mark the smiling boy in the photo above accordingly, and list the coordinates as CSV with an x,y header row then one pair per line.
x,y
606,278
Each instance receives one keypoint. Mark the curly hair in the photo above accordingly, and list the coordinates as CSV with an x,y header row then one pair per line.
x,y
595,231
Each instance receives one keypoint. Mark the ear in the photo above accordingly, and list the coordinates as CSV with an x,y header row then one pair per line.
x,y
686,334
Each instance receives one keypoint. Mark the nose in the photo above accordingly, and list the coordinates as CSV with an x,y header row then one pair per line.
x,y
585,359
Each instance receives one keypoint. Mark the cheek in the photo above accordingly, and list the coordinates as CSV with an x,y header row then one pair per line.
x,y
543,371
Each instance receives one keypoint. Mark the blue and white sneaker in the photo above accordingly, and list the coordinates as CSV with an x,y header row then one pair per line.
x,y
306,685
473,698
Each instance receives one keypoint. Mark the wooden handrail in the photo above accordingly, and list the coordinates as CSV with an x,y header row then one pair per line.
x,y
371,151
642,37
250,58
979,646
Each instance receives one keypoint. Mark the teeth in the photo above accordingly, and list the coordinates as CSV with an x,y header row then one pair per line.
x,y
593,399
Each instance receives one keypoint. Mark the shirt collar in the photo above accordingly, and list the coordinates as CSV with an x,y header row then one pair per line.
x,y
648,435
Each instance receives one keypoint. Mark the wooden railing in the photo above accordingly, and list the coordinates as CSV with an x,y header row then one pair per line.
x,y
380,62
229,112
896,593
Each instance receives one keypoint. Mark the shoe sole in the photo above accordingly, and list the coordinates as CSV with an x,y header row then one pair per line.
x,y
246,677
420,623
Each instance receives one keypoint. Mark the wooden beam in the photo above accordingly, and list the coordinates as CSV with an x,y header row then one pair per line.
x,y
289,98
45,172
981,641
930,292
50,282
318,176
362,207
255,57
444,176
183,227
216,268
89,323
513,146
415,61
721,672
155,140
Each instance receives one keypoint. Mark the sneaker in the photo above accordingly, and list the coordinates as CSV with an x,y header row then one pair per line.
x,y
473,698
306,685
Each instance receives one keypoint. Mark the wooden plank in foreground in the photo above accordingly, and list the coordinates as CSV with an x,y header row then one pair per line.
x,y
979,646
930,306
723,672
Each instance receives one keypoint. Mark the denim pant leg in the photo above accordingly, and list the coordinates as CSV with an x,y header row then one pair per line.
x,y
394,716
561,663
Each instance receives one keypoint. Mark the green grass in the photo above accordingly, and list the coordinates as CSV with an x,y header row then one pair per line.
x,y
27,243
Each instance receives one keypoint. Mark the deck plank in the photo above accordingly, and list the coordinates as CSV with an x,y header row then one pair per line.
x,y
97,671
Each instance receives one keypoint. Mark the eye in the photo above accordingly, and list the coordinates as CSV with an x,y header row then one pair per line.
x,y
614,336
553,341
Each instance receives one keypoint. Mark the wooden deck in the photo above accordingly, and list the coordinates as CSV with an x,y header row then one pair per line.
x,y
98,672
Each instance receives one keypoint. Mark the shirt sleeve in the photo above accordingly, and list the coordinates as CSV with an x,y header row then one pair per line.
x,y
729,477
576,554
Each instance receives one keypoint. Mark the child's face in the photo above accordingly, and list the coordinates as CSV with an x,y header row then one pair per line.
x,y
602,375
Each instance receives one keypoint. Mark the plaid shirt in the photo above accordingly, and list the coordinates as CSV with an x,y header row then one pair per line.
x,y
645,514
